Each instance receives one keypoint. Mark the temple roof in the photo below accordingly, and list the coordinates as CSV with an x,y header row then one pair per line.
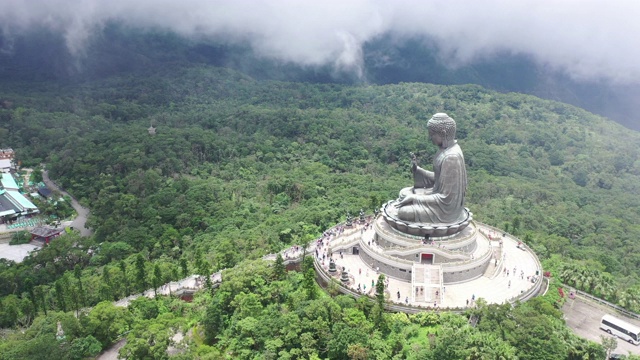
x,y
46,231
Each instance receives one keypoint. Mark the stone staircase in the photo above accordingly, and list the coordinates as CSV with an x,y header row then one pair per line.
x,y
426,283
494,269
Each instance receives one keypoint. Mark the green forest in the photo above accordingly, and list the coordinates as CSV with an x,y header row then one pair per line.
x,y
239,168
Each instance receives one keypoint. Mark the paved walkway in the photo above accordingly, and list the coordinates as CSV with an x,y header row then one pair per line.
x,y
193,282
518,262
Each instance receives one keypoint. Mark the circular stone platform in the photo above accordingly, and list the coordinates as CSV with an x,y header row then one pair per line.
x,y
457,258
450,273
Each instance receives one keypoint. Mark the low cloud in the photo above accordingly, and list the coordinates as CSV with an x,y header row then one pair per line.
x,y
586,39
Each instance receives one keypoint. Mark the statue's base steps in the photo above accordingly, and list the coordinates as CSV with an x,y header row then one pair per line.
x,y
426,283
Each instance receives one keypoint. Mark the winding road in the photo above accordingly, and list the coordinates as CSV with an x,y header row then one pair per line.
x,y
83,213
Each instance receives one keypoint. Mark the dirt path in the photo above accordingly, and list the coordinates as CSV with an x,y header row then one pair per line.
x,y
83,213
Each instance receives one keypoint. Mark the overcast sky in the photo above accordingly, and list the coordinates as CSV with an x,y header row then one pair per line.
x,y
588,39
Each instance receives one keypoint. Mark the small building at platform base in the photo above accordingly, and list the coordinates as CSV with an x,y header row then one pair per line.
x,y
45,233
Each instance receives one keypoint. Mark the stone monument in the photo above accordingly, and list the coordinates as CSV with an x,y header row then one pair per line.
x,y
434,205
349,222
332,266
59,332
426,235
344,277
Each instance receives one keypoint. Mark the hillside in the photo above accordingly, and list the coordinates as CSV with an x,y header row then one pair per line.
x,y
240,167
574,173
41,55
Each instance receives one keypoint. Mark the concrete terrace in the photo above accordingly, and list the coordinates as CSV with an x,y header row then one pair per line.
x,y
495,286
16,253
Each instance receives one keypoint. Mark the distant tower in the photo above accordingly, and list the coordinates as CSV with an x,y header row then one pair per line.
x,y
151,129
60,332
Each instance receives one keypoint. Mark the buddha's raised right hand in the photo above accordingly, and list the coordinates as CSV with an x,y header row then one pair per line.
x,y
414,163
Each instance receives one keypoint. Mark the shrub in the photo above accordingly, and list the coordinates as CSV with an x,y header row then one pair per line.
x,y
20,237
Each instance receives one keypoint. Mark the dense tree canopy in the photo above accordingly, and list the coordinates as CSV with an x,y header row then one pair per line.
x,y
239,168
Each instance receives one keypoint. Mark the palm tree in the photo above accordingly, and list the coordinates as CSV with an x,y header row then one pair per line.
x,y
579,282
570,273
606,287
629,299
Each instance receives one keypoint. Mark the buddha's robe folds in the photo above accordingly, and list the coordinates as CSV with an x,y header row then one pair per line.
x,y
443,203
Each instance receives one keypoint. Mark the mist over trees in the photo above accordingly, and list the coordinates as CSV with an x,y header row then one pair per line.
x,y
40,54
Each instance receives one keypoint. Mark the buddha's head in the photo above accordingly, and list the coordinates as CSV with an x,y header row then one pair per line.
x,y
442,130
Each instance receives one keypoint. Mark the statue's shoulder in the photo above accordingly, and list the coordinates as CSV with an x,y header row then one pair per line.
x,y
454,150
452,156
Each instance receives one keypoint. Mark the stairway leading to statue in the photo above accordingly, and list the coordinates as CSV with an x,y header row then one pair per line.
x,y
495,264
426,284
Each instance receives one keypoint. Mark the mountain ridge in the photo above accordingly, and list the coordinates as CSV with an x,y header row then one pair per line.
x,y
41,54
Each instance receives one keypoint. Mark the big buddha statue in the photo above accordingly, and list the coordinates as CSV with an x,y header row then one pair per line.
x,y
437,197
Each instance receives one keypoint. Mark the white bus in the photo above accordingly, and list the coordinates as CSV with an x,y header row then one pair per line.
x,y
621,329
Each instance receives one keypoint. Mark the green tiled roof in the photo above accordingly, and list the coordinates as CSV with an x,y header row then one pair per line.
x,y
8,182
20,199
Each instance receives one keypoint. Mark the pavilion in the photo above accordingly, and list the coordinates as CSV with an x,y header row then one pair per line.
x,y
45,233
